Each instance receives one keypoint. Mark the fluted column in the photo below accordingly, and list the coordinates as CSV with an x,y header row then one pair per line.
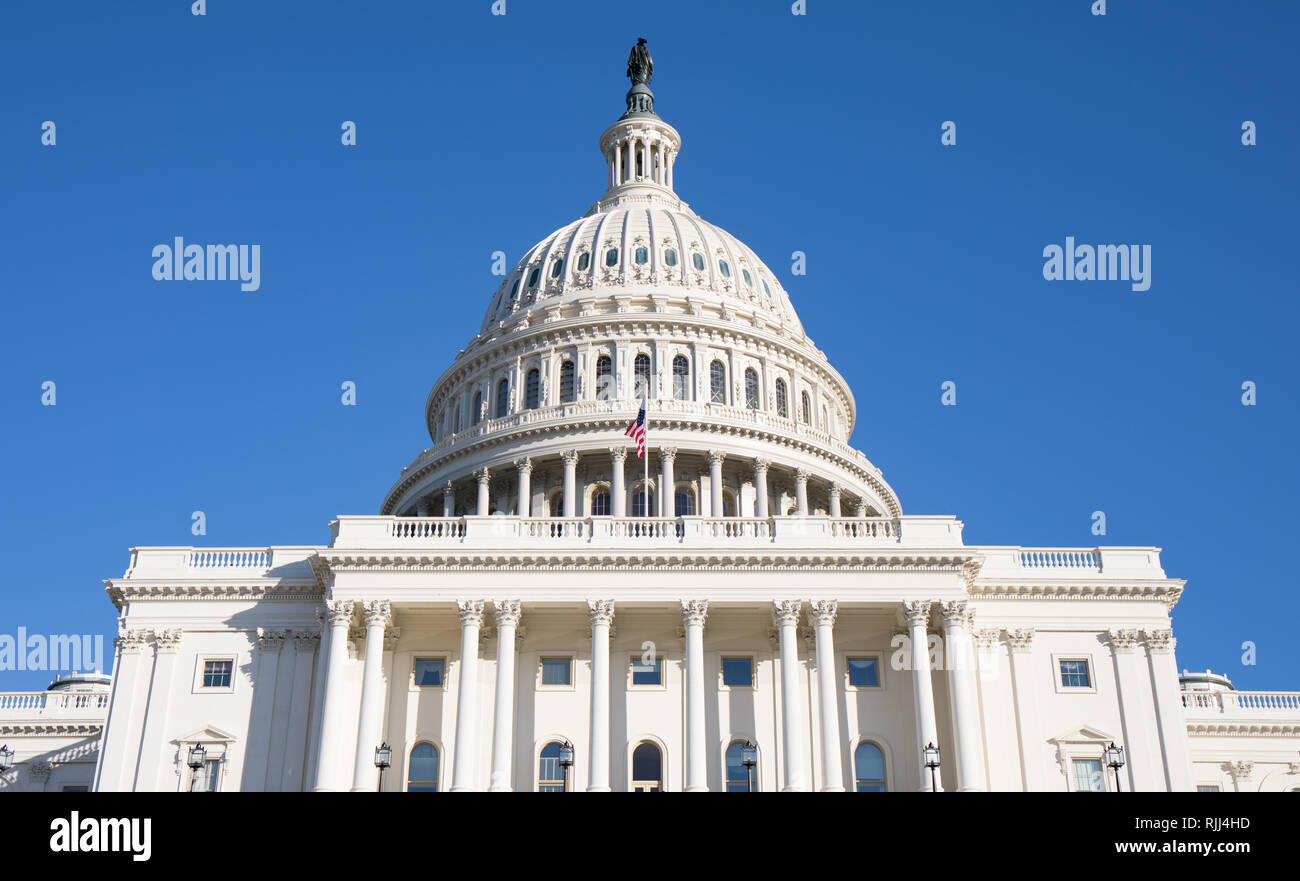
x,y
466,749
760,487
1169,709
331,757
570,458
617,456
667,492
1032,753
823,616
503,716
449,500
525,468
365,776
800,492
917,615
960,656
484,478
601,615
693,615
715,482
786,613
835,499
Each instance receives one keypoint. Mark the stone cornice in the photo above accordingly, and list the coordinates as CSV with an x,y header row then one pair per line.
x,y
1166,590
1243,729
122,590
605,560
51,729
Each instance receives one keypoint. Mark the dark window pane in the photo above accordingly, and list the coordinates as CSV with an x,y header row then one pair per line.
x,y
738,672
863,673
429,672
556,671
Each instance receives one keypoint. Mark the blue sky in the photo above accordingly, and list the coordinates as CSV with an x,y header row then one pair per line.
x,y
818,133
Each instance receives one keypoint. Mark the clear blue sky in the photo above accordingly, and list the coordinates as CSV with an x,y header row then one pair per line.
x,y
817,133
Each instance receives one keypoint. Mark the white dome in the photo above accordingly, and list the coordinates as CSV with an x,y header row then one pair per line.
x,y
641,245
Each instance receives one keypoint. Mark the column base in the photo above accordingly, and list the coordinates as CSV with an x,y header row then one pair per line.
x,y
697,789
598,789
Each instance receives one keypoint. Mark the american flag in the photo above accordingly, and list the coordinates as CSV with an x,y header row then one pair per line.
x,y
636,431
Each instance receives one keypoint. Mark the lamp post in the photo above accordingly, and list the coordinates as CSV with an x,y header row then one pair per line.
x,y
566,762
749,758
197,758
1115,760
383,760
6,758
931,753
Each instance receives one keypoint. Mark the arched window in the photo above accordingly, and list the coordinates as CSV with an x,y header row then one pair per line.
x,y
781,409
600,503
604,378
670,257
639,501
641,376
514,293
681,378
532,389
647,768
478,408
718,383
749,281
728,503
611,257
826,423
738,776
697,261
805,408
566,382
455,419
751,388
584,260
422,769
869,767
641,256
550,775
724,268
532,278
503,398
556,268
557,503
683,503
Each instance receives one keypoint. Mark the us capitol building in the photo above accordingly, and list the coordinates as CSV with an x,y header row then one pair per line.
x,y
528,612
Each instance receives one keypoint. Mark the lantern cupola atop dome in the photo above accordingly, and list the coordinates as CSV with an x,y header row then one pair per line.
x,y
640,148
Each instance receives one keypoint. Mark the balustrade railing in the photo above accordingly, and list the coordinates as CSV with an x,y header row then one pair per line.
x,y
49,703
1058,558
1242,703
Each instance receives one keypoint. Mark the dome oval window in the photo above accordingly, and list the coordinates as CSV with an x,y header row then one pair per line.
x,y
641,256
514,294
766,289
611,257
749,282
532,279
698,261
670,257
557,268
584,260
724,269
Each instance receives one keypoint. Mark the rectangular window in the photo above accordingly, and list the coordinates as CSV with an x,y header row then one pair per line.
x,y
430,672
557,671
864,672
217,674
1087,775
207,778
1207,787
648,674
738,672
1074,673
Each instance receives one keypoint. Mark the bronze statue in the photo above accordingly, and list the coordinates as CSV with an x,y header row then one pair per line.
x,y
640,66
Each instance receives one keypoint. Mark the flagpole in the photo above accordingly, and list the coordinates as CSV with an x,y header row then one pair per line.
x,y
645,488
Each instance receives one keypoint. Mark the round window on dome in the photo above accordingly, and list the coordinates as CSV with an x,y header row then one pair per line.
x,y
557,268
641,255
584,260
532,279
670,257
724,269
749,282
698,261
611,257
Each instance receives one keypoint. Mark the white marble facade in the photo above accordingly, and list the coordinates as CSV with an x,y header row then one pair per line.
x,y
513,568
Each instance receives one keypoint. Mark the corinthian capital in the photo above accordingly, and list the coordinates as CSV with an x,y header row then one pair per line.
x,y
570,457
483,476
377,613
786,612
1021,639
954,613
716,457
917,612
800,475
508,613
1124,640
694,611
619,454
823,612
525,465
339,612
600,612
470,612
1160,640
761,466
667,454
